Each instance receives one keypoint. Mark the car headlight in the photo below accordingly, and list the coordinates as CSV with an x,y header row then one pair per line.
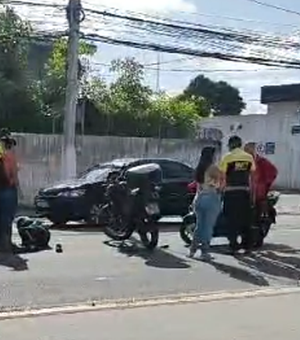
x,y
72,193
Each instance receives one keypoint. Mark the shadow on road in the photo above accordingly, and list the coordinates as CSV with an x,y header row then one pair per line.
x,y
274,264
157,258
275,247
240,274
89,228
14,262
273,260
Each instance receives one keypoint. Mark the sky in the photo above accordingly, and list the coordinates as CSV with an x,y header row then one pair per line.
x,y
238,14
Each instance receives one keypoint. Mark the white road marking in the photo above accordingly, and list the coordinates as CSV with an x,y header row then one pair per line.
x,y
149,302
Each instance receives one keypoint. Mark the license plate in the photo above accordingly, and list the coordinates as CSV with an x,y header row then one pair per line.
x,y
42,204
152,209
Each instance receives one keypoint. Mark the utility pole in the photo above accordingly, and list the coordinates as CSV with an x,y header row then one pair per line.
x,y
68,160
158,73
157,92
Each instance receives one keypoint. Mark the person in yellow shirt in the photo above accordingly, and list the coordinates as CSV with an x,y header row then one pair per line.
x,y
237,169
1,150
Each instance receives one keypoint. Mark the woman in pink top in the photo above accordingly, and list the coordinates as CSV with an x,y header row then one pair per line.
x,y
207,204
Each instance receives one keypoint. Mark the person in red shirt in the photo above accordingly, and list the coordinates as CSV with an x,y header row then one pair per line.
x,y
265,174
8,193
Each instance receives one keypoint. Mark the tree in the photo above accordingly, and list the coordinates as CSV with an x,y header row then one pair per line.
x,y
128,107
173,117
16,101
130,95
50,91
129,98
223,98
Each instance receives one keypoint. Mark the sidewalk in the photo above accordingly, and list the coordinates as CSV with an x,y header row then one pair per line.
x,y
289,204
273,318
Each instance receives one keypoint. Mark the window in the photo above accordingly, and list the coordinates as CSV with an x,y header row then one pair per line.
x,y
173,170
97,174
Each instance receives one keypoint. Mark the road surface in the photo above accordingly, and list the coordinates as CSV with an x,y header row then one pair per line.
x,y
89,269
273,318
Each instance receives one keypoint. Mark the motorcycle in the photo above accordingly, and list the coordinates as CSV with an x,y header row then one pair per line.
x,y
262,222
132,205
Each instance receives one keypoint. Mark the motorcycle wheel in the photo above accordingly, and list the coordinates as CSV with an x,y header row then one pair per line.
x,y
186,230
116,228
150,238
261,235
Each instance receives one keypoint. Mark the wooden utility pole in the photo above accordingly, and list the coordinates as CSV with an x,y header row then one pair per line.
x,y
69,161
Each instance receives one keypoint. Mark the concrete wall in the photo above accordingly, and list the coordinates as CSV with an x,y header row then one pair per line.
x,y
40,155
283,108
263,129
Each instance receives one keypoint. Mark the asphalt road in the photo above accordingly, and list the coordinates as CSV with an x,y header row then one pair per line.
x,y
89,269
248,319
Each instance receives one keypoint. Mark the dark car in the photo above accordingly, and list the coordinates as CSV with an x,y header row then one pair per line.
x,y
77,199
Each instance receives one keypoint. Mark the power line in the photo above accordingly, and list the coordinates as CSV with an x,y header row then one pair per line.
x,y
188,31
207,70
169,61
241,19
283,9
29,3
194,35
172,24
192,52
214,70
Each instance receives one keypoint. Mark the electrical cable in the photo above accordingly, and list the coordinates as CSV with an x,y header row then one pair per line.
x,y
220,43
192,52
283,9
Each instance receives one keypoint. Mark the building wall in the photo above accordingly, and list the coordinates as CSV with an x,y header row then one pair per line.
x,y
40,155
270,128
283,108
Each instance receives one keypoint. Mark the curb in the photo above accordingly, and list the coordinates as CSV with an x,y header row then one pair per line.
x,y
148,302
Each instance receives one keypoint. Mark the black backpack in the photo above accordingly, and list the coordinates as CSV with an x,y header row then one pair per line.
x,y
34,234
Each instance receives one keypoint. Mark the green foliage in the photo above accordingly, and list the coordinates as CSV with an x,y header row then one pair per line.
x,y
50,92
175,117
129,95
15,95
223,98
126,106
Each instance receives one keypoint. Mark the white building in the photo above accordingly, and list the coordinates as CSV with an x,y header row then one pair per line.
x,y
277,133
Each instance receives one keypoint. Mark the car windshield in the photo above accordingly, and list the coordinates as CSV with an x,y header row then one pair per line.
x,y
99,174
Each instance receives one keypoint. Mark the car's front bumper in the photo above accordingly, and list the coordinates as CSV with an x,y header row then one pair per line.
x,y
61,208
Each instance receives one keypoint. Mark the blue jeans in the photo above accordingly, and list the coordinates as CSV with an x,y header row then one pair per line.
x,y
8,209
207,209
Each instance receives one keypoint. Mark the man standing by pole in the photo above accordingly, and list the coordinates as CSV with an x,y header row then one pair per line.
x,y
68,164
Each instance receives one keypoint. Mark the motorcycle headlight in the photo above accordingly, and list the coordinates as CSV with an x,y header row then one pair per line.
x,y
73,193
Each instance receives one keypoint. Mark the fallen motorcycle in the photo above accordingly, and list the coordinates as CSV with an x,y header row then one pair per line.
x,y
262,223
132,205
